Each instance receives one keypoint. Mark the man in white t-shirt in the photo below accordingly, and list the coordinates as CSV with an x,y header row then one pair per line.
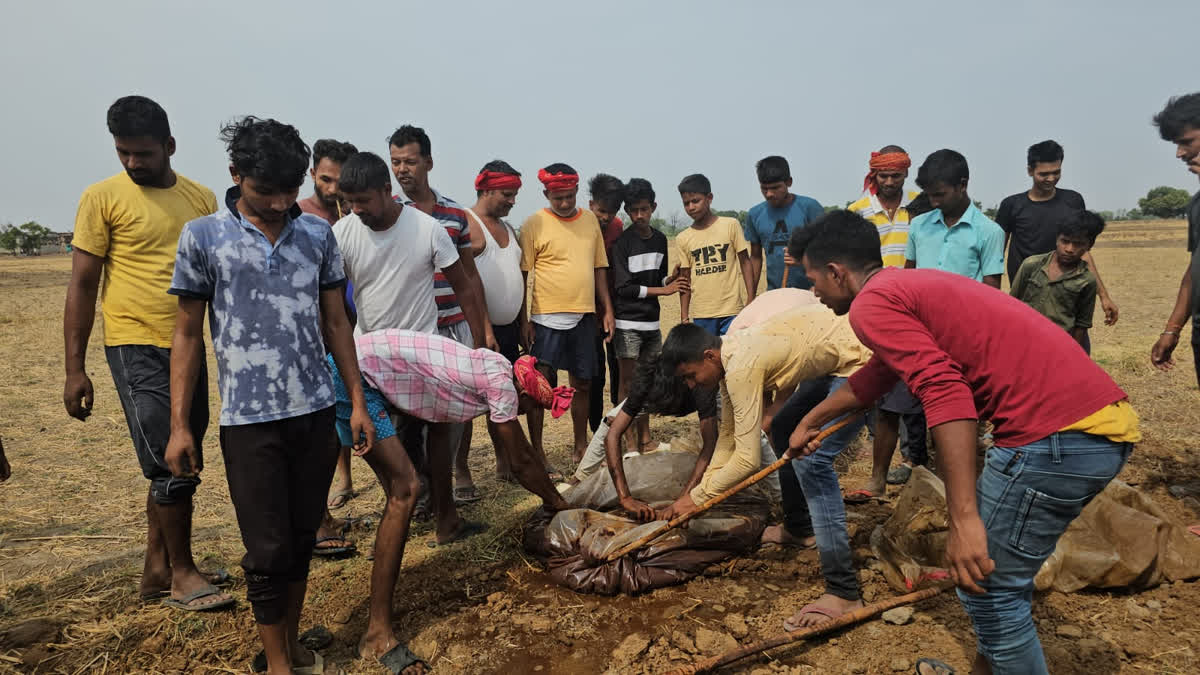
x,y
498,259
391,252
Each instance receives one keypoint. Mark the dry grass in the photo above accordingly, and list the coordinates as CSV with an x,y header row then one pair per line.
x,y
72,520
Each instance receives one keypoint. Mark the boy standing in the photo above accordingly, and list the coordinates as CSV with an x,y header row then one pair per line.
x,y
955,236
272,281
1059,284
563,250
639,264
771,223
607,192
707,252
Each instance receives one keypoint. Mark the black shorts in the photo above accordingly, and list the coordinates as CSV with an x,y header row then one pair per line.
x,y
508,337
572,350
142,376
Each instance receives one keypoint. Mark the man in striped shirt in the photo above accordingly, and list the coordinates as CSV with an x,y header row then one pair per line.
x,y
412,159
884,202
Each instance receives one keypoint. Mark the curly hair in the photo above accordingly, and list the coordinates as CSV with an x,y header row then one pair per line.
x,y
268,151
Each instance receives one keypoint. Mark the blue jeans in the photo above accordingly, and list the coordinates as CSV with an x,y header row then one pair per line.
x,y
1028,496
717,326
819,483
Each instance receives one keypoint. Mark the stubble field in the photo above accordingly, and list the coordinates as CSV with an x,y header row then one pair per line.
x,y
72,530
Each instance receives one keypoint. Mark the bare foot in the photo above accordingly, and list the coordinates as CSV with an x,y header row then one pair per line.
x,y
826,608
778,534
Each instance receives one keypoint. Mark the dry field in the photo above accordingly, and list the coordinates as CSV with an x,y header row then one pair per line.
x,y
72,530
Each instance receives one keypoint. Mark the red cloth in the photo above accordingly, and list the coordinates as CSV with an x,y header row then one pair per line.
x,y
492,180
555,182
969,351
887,161
534,384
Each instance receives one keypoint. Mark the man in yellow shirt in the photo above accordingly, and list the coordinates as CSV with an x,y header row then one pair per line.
x,y
128,228
807,350
562,250
715,258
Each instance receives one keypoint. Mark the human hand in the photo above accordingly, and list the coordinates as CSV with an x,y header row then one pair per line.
x,y
802,441
641,511
766,423
677,508
78,395
526,336
676,286
610,325
1110,311
361,426
183,460
967,553
489,340
788,260
1160,353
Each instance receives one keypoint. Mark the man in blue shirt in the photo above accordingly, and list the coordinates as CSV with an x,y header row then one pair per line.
x,y
955,236
272,280
770,224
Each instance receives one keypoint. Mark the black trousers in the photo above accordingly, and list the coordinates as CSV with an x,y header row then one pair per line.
x,y
596,406
279,474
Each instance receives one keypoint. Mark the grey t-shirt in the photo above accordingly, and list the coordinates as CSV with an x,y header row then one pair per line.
x,y
1193,214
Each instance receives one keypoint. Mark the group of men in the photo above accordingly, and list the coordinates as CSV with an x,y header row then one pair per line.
x,y
359,322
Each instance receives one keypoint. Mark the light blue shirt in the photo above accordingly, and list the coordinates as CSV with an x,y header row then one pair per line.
x,y
974,247
263,309
771,228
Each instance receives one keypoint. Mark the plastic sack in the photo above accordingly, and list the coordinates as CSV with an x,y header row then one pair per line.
x,y
1120,540
574,543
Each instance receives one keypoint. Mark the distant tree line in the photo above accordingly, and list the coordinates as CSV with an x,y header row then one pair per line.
x,y
25,239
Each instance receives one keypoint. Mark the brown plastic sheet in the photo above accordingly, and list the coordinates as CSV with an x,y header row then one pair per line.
x,y
1120,540
574,543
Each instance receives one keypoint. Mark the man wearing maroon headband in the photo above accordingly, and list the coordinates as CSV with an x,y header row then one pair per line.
x,y
562,252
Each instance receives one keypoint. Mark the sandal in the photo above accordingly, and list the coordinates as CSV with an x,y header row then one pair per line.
x,y
860,497
934,667
400,657
185,603
468,494
899,475
344,495
346,548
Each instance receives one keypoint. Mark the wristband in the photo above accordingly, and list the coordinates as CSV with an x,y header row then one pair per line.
x,y
1170,332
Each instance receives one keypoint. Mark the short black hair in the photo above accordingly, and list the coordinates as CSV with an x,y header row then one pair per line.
x,y
410,134
1046,152
336,151
840,236
891,148
497,166
608,190
268,151
918,206
946,167
1180,114
773,169
697,183
132,116
685,343
663,393
638,189
364,171
1082,224
560,168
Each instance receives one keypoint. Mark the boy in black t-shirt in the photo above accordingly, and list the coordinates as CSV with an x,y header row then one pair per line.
x,y
1030,219
639,265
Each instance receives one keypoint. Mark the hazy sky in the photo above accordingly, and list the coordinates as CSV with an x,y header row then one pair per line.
x,y
657,89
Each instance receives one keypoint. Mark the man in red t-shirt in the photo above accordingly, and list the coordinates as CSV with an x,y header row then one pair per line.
x,y
1063,428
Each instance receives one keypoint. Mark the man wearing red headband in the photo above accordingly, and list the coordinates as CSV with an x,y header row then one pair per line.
x,y
884,201
562,252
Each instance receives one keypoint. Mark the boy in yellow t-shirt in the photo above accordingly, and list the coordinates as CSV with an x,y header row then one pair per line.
x,y
715,258
562,251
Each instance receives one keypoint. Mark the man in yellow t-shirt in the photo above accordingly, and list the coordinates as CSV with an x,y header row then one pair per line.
x,y
127,228
714,256
562,250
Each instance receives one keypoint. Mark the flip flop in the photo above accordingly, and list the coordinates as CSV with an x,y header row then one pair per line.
x,y
935,667
344,495
184,603
400,657
259,664
218,577
899,475
554,474
813,608
468,494
331,551
467,529
317,667
860,497
317,637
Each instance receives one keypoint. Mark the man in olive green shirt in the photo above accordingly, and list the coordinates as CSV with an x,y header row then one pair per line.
x,y
1059,284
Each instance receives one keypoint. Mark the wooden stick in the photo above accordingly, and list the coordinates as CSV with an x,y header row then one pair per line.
x,y
683,518
786,269
846,619
74,536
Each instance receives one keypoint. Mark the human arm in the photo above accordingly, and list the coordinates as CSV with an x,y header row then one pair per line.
x,y
910,264
1020,281
686,501
991,256
685,273
339,339
781,398
607,322
187,351
1111,313
640,510
478,240
992,280
750,234
470,296
748,276
740,430
79,315
756,261
523,319
1160,353
966,542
